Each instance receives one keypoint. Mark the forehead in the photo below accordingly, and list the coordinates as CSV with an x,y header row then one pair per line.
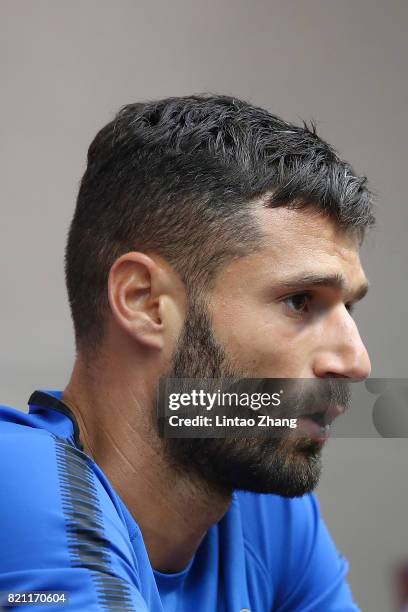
x,y
304,236
303,229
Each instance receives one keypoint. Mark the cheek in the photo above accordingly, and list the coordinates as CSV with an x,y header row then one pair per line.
x,y
264,341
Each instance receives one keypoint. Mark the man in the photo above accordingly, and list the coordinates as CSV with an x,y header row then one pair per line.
x,y
210,239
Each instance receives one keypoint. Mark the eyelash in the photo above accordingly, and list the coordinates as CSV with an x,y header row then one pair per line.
x,y
308,295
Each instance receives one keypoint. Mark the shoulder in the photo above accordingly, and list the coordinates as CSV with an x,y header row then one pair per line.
x,y
59,523
27,457
35,480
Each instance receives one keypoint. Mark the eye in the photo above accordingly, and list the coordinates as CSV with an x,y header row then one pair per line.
x,y
298,302
307,304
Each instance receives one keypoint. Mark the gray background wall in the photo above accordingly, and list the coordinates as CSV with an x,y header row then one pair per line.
x,y
66,67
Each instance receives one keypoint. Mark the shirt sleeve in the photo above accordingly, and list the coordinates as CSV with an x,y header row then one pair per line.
x,y
315,572
59,531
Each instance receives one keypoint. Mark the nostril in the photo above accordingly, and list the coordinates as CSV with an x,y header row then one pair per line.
x,y
336,375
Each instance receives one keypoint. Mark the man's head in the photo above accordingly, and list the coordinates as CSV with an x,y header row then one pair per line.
x,y
215,239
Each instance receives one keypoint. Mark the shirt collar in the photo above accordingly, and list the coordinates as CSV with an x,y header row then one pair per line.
x,y
52,400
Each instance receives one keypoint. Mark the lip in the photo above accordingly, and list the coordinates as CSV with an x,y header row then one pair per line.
x,y
332,413
327,414
313,429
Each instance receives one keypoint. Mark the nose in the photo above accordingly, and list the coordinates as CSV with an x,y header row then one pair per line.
x,y
342,352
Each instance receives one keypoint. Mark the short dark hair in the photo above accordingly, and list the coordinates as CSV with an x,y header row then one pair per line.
x,y
177,176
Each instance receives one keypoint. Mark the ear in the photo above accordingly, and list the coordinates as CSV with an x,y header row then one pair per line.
x,y
138,297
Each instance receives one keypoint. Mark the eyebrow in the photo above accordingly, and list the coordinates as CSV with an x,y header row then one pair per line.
x,y
334,281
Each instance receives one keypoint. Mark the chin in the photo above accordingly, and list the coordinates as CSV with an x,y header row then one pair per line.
x,y
287,467
292,475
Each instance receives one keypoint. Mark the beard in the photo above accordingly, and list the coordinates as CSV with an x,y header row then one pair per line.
x,y
284,466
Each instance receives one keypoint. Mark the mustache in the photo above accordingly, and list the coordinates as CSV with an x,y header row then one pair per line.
x,y
318,397
299,397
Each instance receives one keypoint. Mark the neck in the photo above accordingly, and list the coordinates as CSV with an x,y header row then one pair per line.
x,y
174,511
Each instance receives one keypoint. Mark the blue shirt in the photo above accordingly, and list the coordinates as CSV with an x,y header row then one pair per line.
x,y
64,528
